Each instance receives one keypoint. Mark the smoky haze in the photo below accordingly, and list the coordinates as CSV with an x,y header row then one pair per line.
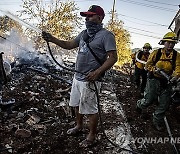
x,y
19,49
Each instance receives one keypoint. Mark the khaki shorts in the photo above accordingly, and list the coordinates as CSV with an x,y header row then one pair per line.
x,y
83,95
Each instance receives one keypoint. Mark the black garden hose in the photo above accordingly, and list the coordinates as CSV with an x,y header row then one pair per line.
x,y
98,102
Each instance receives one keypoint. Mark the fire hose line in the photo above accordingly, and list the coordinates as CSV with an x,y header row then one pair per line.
x,y
165,119
143,62
98,102
170,135
39,31
96,91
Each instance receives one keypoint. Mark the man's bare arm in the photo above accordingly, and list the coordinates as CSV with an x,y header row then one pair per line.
x,y
63,44
111,60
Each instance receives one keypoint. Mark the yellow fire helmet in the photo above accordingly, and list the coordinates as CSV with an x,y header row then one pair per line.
x,y
147,45
170,36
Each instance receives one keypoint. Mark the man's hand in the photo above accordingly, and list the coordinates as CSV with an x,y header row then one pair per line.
x,y
93,76
47,36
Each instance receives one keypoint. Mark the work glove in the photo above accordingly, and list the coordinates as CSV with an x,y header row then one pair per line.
x,y
174,79
47,36
157,70
161,72
177,84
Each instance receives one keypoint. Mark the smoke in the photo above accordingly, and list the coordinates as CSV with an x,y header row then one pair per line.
x,y
22,22
18,48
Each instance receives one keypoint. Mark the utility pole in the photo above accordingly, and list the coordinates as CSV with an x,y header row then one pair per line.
x,y
113,10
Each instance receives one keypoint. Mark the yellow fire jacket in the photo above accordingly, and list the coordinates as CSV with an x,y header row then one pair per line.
x,y
163,63
144,58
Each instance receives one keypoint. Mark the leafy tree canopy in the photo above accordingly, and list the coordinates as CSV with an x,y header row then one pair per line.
x,y
122,37
6,24
56,17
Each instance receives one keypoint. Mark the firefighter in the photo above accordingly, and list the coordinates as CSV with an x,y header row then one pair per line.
x,y
140,74
157,89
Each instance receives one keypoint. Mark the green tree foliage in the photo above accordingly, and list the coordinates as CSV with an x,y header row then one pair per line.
x,y
6,24
122,37
56,17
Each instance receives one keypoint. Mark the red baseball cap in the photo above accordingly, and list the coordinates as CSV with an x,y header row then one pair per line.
x,y
94,9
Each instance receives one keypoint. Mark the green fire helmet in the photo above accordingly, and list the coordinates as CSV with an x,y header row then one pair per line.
x,y
147,45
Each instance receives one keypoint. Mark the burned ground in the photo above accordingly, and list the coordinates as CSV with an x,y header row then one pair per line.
x,y
141,124
38,120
